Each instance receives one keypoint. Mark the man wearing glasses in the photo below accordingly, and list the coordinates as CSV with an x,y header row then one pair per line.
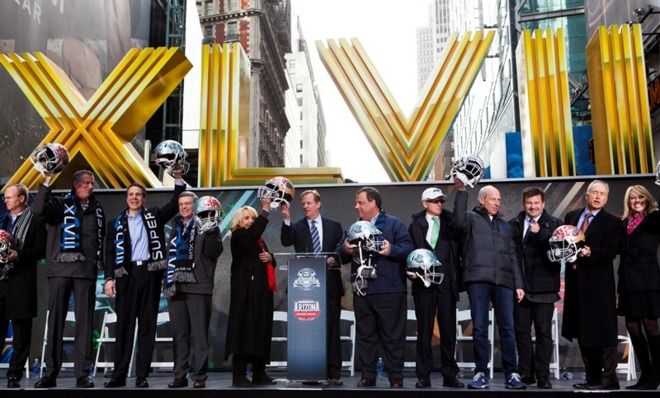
x,y
433,229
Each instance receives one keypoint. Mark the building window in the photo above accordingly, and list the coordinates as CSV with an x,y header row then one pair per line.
x,y
301,144
292,63
232,5
232,31
299,87
208,31
210,7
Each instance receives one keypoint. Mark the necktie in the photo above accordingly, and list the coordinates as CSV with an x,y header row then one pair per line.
x,y
530,221
316,242
435,231
585,222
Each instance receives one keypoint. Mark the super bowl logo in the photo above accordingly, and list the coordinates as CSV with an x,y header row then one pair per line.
x,y
306,310
306,280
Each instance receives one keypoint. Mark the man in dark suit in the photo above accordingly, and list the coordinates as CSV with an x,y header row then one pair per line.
x,y
532,229
316,234
590,297
433,229
18,283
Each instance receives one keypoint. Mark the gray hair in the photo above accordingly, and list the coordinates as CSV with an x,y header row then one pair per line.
x,y
484,191
594,182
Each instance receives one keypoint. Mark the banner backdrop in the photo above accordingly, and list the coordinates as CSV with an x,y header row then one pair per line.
x,y
400,200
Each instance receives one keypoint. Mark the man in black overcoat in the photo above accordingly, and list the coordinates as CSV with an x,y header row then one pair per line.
x,y
590,297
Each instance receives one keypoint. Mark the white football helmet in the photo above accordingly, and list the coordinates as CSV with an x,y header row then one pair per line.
x,y
565,244
208,210
279,190
468,169
5,245
50,158
170,155
365,235
425,264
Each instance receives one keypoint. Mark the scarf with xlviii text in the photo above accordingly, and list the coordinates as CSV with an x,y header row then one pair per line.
x,y
181,255
156,261
70,231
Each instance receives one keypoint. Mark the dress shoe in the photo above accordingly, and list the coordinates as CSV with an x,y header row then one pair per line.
x,y
45,382
12,382
543,383
335,382
241,381
84,382
364,382
581,386
603,386
141,382
423,383
114,383
396,382
528,380
199,384
262,380
178,383
452,382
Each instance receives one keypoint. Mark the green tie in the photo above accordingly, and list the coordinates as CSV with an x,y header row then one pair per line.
x,y
435,231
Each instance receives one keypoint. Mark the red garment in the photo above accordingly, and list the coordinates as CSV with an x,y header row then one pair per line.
x,y
270,270
633,222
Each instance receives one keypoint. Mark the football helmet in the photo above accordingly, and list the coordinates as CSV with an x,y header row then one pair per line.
x,y
208,210
468,169
425,265
365,235
367,239
5,245
279,190
50,158
170,155
565,244
657,174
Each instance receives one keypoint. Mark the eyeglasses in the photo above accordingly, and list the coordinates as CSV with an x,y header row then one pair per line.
x,y
436,201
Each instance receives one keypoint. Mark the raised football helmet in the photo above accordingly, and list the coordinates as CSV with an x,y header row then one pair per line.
x,y
565,244
426,266
208,210
170,155
5,245
468,169
279,190
50,158
657,174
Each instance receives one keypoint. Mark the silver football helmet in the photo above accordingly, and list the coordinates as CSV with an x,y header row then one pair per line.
x,y
170,155
468,169
208,211
50,158
5,246
279,190
426,266
367,239
365,235
566,243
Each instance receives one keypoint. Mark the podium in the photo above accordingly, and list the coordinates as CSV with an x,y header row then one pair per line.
x,y
306,325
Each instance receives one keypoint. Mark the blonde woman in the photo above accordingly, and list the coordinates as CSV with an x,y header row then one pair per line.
x,y
639,282
251,301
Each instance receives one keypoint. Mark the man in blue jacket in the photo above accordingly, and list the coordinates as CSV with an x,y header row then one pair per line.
x,y
380,306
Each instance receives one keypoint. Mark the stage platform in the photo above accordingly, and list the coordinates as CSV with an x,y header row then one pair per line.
x,y
219,385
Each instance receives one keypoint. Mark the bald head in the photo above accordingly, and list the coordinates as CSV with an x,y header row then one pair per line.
x,y
489,199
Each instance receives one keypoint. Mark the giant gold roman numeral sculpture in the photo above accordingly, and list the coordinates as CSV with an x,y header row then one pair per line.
x,y
99,130
406,146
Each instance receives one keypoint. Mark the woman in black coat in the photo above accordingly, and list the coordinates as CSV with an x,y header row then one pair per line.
x,y
251,301
639,282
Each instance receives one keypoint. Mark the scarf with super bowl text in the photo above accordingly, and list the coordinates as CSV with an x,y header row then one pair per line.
x,y
181,255
156,253
70,231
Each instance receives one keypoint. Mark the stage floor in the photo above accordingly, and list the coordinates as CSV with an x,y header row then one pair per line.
x,y
220,383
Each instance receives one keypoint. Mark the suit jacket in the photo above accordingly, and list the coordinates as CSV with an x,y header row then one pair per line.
x,y
590,298
299,235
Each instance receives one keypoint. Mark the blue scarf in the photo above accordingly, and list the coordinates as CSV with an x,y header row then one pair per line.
x,y
70,231
181,256
156,256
